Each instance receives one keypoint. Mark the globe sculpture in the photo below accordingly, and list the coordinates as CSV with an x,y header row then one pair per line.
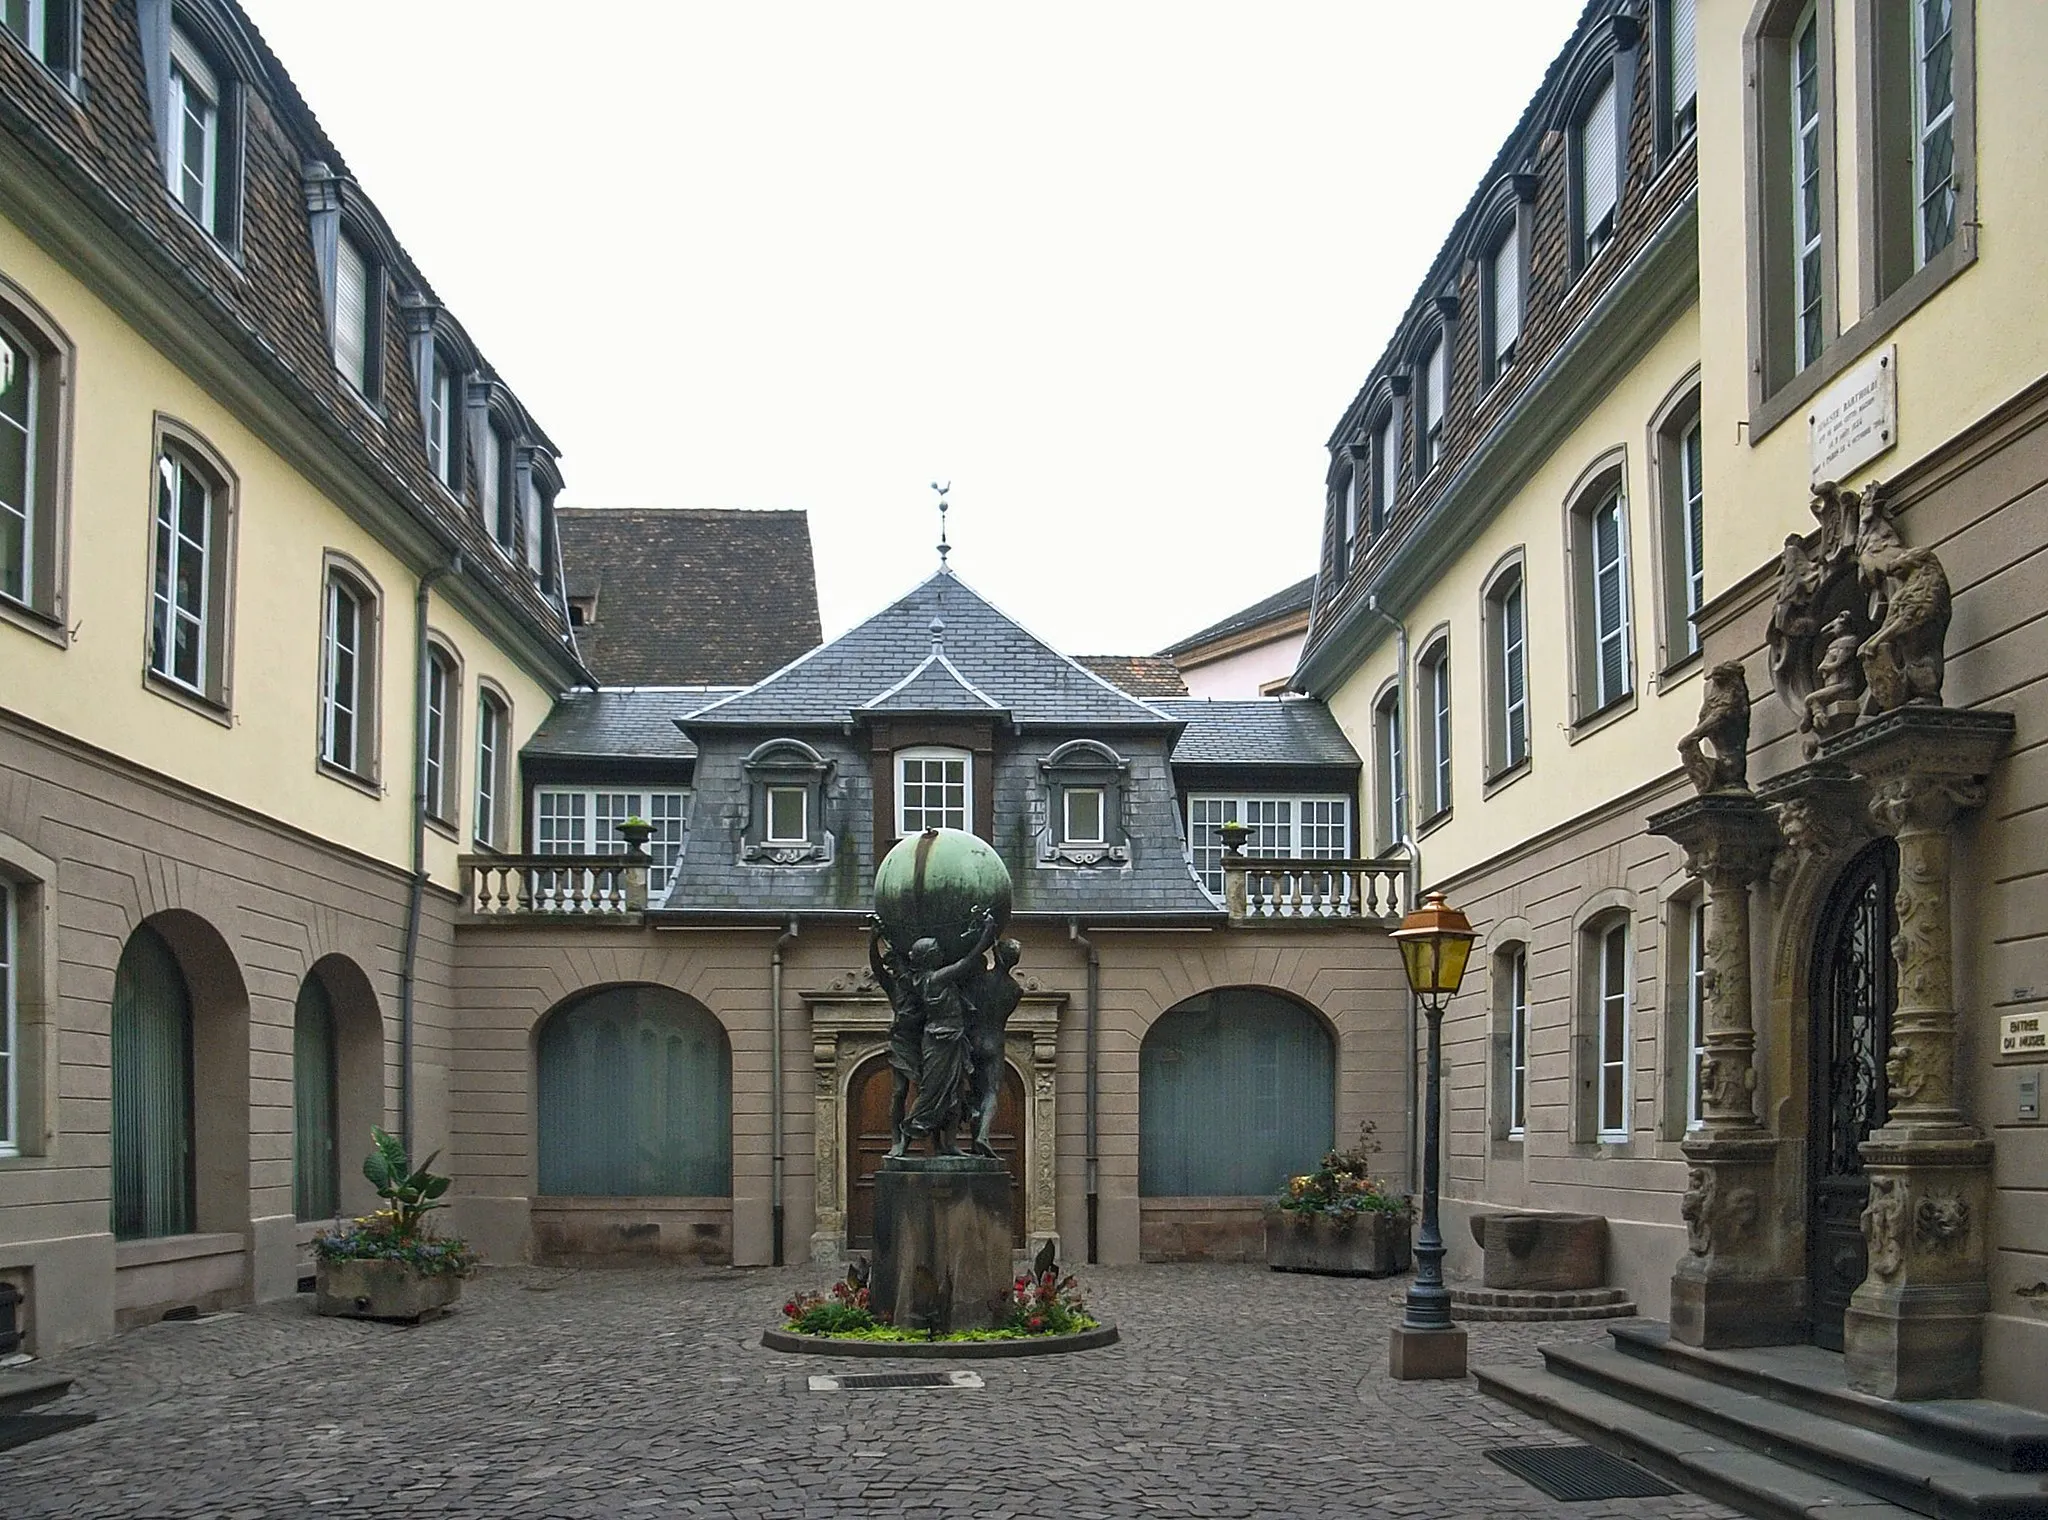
x,y
929,886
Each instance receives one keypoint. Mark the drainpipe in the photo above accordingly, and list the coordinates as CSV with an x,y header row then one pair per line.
x,y
409,966
775,1081
1408,843
1093,1046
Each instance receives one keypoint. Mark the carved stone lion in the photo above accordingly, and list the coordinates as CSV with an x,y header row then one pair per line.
x,y
1716,753
1941,1219
1903,660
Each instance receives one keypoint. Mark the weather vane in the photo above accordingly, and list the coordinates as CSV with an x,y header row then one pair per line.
x,y
944,547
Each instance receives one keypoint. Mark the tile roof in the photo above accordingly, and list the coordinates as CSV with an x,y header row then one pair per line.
x,y
1294,598
1142,675
636,723
1026,676
684,597
1265,732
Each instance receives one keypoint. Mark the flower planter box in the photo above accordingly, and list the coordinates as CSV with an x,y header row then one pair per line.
x,y
1364,1244
373,1289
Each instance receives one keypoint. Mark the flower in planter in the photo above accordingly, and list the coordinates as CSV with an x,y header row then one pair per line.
x,y
399,1231
1343,1187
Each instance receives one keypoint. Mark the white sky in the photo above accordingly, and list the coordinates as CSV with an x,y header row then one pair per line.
x,y
1113,269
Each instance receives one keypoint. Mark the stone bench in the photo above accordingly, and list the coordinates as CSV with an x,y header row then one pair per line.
x,y
1543,1252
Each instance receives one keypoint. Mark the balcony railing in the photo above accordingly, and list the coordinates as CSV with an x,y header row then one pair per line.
x,y
1370,893
554,886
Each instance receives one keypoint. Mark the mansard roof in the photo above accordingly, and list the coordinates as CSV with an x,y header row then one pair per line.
x,y
620,723
680,597
1268,609
1142,675
988,653
1264,731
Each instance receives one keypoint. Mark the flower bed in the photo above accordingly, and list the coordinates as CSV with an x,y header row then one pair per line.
x,y
1340,1218
1046,1313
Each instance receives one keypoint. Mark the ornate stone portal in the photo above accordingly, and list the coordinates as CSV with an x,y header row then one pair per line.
x,y
850,1024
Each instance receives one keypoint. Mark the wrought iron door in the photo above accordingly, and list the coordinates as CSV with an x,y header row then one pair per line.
x,y
1854,989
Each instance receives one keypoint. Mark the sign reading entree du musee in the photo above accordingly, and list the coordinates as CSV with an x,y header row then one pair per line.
x,y
2023,1034
1855,419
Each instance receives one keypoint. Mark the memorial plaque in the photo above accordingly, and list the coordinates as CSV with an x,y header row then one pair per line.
x,y
2023,1034
1855,419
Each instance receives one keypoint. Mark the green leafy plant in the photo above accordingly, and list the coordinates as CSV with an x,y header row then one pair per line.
x,y
1048,1305
400,1231
412,1194
845,1309
1344,1185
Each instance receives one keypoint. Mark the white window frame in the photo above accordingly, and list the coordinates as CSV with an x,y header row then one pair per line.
x,y
1285,826
440,421
31,367
491,492
1100,833
1924,128
1511,612
1439,668
441,769
535,508
1695,1008
492,722
1612,1006
1435,390
1387,468
10,1019
177,475
1391,757
1680,19
1808,286
1504,300
933,754
1692,527
802,793
575,820
1518,1043
195,100
1353,487
1595,145
355,283
34,29
1613,503
344,693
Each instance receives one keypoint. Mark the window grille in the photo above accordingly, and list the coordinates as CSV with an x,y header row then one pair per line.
x,y
931,792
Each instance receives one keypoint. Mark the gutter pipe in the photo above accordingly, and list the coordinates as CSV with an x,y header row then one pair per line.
x,y
1093,1046
1408,842
408,973
775,1083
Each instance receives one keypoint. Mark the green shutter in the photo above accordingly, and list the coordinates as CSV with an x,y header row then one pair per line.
x,y
1236,1093
316,1178
152,1060
635,1090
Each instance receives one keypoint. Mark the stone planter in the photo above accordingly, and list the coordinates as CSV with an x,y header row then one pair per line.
x,y
382,1290
1360,1245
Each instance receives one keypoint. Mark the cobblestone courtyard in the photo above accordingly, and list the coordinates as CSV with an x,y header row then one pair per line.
x,y
1235,1392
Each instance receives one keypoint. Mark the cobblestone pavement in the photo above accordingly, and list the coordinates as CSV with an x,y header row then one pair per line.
x,y
1235,1392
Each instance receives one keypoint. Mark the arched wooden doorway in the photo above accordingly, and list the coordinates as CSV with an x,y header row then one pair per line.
x,y
867,1142
1852,994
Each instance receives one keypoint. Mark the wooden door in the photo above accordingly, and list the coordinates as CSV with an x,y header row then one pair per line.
x,y
867,1142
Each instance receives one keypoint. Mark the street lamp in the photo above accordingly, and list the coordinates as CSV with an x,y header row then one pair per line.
x,y
1435,940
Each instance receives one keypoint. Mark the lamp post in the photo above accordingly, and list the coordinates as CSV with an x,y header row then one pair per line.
x,y
1435,940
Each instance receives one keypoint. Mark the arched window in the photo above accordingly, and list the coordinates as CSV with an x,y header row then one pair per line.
x,y
316,1169
1236,1093
34,483
1506,619
1390,761
1433,698
440,741
635,1091
493,738
151,1055
350,661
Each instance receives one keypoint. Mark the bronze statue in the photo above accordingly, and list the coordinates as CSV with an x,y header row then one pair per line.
x,y
906,1027
992,998
1716,753
945,1069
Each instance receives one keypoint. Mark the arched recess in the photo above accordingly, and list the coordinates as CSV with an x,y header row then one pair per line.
x,y
180,1078
868,1138
1236,1093
337,1087
635,1097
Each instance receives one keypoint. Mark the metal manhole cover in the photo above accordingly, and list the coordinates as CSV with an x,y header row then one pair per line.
x,y
1579,1472
20,1429
847,1382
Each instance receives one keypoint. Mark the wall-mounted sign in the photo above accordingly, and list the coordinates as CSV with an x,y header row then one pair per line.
x,y
2023,1034
1855,419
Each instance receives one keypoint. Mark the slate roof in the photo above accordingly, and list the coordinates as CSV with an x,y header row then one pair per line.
x,y
685,597
1294,598
987,648
633,723
936,686
1142,675
1263,732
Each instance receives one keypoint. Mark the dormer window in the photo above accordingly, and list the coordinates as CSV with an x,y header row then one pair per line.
x,y
441,433
357,297
785,805
1429,421
492,491
45,28
1084,784
1503,308
933,790
789,815
1081,812
193,160
1596,174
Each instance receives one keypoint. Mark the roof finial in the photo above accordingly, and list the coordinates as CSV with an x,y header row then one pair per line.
x,y
938,629
944,547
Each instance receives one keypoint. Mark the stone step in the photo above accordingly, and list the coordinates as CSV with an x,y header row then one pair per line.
x,y
1897,1470
2003,1436
1722,1470
21,1390
1529,1304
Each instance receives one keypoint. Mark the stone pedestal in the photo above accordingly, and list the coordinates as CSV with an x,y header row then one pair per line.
x,y
1915,1328
942,1242
1416,1355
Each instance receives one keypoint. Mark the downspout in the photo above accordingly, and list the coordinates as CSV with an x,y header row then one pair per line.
x,y
1092,1044
416,894
1414,849
775,1082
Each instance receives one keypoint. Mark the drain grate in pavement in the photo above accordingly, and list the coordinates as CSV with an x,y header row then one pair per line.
x,y
848,1382
20,1429
1579,1472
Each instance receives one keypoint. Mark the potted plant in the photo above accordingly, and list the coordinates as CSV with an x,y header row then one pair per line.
x,y
635,831
1340,1218
391,1264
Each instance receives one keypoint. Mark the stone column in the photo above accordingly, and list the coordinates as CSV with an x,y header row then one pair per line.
x,y
1915,1327
1737,1284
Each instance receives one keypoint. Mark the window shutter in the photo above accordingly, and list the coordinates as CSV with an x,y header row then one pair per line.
x,y
189,61
1435,399
1507,293
351,312
1388,455
1684,44
1597,161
